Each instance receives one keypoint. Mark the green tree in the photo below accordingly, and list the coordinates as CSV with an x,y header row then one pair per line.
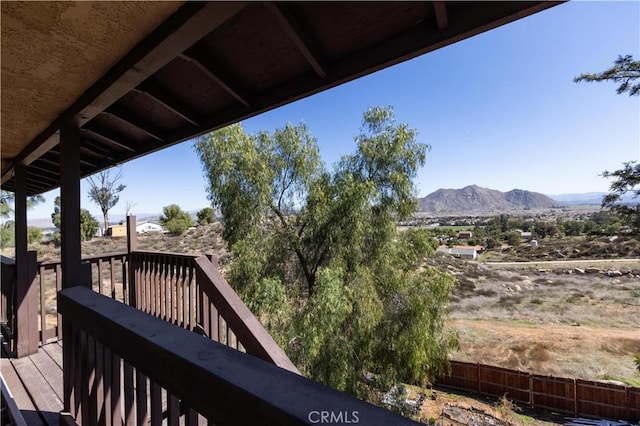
x,y
175,220
625,180
88,224
573,227
624,71
34,234
513,239
104,190
205,216
317,256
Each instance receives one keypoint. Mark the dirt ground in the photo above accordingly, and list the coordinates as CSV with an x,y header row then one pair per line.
x,y
550,349
549,319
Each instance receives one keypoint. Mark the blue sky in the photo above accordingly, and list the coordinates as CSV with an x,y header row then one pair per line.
x,y
499,110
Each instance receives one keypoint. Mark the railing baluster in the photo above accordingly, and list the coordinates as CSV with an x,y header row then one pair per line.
x,y
169,286
112,277
178,291
100,283
141,398
98,385
156,404
129,396
92,400
173,407
58,285
173,296
152,288
116,395
106,407
43,306
191,417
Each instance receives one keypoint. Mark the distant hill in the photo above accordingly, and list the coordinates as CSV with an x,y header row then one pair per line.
x,y
584,199
476,199
592,199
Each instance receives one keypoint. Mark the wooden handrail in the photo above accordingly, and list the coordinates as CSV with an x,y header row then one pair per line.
x,y
165,253
86,258
226,386
244,324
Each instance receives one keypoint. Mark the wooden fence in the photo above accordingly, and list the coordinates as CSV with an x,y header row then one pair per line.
x,y
579,398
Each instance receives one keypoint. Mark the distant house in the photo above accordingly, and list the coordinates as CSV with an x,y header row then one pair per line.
x,y
525,235
462,252
146,227
116,231
465,234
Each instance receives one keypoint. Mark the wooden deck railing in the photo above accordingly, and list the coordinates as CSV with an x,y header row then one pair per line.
x,y
188,291
124,366
108,277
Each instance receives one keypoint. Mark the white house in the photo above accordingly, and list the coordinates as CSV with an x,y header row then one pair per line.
x,y
462,252
145,227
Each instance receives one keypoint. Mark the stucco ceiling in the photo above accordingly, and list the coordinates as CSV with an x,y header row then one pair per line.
x,y
53,51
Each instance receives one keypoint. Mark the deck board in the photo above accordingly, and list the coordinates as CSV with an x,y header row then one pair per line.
x,y
54,350
44,398
20,394
51,372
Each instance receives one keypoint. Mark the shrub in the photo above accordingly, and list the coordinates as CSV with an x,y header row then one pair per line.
x,y
175,220
34,234
206,216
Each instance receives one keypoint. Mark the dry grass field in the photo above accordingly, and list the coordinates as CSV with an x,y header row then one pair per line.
x,y
549,318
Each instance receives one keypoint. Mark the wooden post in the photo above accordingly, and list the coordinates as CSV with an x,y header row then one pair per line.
x,y
73,273
132,245
26,309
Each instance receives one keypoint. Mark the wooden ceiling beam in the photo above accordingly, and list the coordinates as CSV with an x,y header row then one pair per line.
x,y
168,101
130,119
442,17
43,170
198,57
41,179
106,136
302,42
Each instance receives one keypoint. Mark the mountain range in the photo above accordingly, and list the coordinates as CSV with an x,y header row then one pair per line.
x,y
476,199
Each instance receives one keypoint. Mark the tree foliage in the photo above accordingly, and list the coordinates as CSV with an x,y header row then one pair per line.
x,y
624,71
206,216
6,203
175,220
625,180
34,234
88,224
104,190
317,256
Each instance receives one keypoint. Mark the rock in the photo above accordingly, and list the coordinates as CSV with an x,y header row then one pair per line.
x,y
579,271
614,273
593,270
576,251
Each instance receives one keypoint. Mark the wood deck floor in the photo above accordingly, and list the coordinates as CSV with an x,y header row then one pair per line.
x,y
36,384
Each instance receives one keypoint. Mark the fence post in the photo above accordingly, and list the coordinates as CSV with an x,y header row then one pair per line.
x,y
26,310
576,410
132,245
530,390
